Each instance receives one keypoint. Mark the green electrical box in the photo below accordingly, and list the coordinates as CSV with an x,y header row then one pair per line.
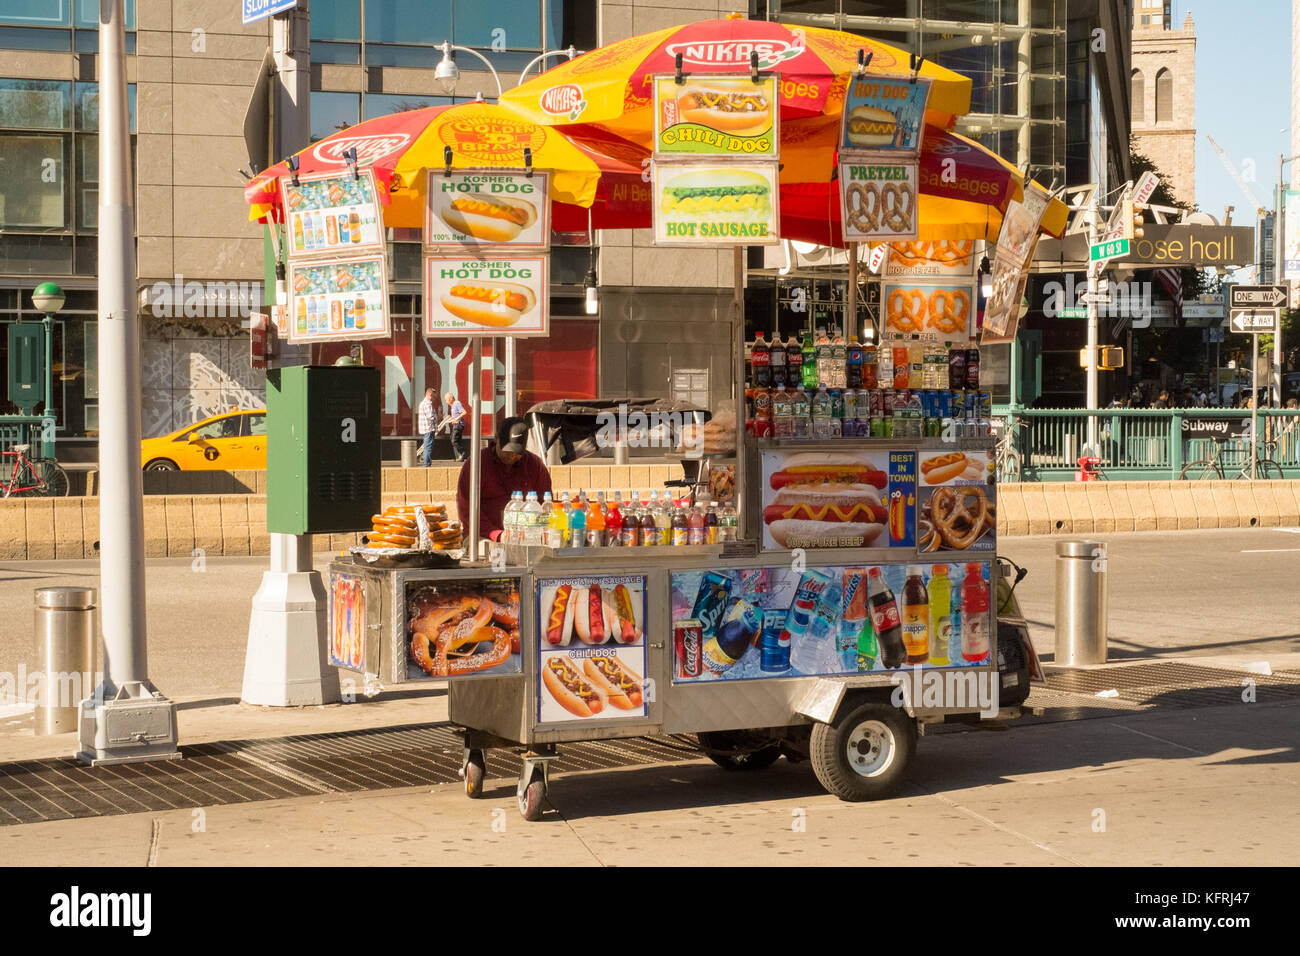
x,y
27,365
322,461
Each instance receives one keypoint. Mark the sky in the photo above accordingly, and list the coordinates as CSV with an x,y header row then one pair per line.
x,y
1243,99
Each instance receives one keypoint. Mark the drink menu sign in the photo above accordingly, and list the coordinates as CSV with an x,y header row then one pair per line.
x,y
488,209
337,299
330,215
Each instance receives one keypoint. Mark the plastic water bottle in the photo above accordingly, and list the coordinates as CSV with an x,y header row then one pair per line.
x,y
531,526
800,414
839,360
821,413
510,519
782,414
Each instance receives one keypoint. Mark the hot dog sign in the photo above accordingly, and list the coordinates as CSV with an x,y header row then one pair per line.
x,y
487,210
486,296
716,116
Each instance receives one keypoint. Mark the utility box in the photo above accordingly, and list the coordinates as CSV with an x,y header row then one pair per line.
x,y
322,461
27,366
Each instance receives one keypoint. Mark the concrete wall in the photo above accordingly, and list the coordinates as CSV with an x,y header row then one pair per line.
x,y
235,524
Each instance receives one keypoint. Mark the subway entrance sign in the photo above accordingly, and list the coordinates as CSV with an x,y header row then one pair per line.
x,y
1110,249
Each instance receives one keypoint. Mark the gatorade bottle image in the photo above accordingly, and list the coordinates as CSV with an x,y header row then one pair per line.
x,y
916,617
940,615
975,615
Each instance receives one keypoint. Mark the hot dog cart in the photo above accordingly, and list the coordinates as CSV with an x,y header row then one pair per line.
x,y
760,648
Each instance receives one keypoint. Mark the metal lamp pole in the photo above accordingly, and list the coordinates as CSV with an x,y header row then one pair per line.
x,y
49,298
1279,270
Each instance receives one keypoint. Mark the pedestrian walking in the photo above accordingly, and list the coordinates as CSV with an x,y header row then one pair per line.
x,y
455,424
424,425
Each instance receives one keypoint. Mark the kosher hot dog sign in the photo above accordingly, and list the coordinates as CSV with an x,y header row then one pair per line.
x,y
484,210
478,296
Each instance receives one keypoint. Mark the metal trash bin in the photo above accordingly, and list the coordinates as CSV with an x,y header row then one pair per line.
x,y
1080,602
65,656
409,453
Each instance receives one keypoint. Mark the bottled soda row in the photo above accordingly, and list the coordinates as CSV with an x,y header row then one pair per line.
x,y
578,521
918,362
901,390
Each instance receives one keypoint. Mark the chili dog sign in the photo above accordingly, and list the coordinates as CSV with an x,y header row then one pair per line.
x,y
487,210
486,296
716,116
878,199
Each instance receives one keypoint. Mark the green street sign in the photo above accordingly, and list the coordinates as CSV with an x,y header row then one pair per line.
x,y
1108,250
1074,312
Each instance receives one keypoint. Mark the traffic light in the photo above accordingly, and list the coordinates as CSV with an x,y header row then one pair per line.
x,y
1131,219
1112,357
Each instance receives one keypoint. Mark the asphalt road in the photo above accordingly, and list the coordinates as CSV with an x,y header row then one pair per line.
x,y
1172,594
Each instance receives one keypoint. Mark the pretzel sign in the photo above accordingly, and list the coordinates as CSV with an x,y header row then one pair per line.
x,y
897,201
863,207
905,310
948,310
878,200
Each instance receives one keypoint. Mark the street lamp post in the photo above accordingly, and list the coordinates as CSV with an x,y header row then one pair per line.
x,y
1279,269
49,298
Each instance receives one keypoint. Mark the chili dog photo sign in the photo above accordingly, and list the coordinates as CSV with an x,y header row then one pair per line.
x,y
884,113
486,296
925,307
878,199
462,628
850,499
332,215
591,647
716,116
715,204
488,210
337,299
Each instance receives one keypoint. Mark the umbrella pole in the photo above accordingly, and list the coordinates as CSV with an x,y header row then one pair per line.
x,y
510,377
738,371
476,437
851,303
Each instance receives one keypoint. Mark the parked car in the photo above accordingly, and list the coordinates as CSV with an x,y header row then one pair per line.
x,y
230,441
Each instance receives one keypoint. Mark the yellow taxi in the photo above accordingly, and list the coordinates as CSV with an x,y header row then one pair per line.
x,y
228,442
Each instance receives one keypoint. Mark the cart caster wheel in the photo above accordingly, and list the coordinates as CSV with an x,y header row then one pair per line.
x,y
530,795
737,759
865,754
475,771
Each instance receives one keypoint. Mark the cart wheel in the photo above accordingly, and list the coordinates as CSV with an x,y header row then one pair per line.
x,y
865,754
530,796
759,759
475,771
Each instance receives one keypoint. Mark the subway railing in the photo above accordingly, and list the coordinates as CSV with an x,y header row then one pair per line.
x,y
34,430
1145,444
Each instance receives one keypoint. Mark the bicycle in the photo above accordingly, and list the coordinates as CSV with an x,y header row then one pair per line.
x,y
38,477
1006,457
1207,469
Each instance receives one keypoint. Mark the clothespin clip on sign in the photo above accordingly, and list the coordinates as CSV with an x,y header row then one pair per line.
x,y
293,168
681,77
864,60
446,158
528,161
917,60
351,156
753,66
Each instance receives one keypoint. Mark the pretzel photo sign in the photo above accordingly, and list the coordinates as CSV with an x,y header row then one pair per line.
x,y
941,257
878,200
923,308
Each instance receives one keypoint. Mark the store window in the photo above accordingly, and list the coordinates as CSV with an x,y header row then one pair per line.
x,y
1164,96
331,112
1138,96
57,25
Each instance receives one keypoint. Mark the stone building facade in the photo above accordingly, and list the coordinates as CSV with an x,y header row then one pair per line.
x,y
1164,99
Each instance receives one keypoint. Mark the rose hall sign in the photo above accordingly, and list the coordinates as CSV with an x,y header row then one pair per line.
x,y
1160,245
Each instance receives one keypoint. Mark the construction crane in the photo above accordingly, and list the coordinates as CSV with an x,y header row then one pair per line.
x,y
1236,176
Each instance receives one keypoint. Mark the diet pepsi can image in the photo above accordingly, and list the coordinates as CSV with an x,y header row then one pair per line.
x,y
776,643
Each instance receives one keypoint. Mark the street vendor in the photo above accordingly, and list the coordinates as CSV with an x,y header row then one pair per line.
x,y
505,467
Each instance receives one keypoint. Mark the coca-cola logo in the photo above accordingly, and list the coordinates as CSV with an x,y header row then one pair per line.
x,y
563,100
732,52
369,148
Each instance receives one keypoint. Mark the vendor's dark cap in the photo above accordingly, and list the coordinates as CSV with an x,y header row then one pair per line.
x,y
513,436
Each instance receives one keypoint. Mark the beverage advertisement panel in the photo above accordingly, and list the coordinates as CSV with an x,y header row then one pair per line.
x,y
462,628
347,622
715,204
332,215
488,209
486,296
716,116
591,645
878,198
338,299
785,622
850,499
884,113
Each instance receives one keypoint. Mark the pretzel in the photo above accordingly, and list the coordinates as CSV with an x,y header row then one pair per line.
x,y
906,310
948,309
952,250
911,252
872,208
960,515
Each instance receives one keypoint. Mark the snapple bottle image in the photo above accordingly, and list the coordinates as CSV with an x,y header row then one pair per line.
x,y
940,615
975,615
916,617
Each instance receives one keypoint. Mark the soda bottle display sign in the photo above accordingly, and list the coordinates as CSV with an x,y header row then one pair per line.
x,y
830,621
329,214
338,299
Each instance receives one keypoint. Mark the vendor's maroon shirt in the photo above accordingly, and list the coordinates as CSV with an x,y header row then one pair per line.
x,y
496,482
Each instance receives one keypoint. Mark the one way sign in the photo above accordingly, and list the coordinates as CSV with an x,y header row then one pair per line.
x,y
1257,296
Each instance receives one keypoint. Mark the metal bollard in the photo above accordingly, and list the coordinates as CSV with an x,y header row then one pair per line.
x,y
1080,602
65,656
408,453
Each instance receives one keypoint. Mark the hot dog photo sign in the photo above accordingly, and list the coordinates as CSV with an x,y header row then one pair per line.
x,y
488,209
716,116
486,296
591,641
